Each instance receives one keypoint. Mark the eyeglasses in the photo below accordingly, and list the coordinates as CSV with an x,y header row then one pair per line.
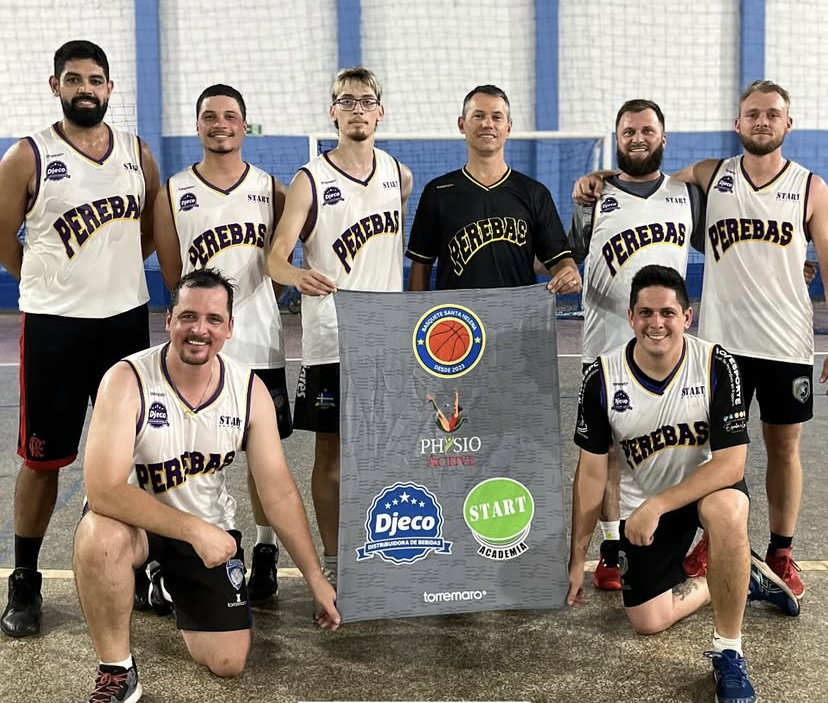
x,y
349,104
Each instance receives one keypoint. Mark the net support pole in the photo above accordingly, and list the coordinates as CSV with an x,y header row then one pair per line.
x,y
148,78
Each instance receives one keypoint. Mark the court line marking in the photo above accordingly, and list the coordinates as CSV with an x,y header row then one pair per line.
x,y
293,572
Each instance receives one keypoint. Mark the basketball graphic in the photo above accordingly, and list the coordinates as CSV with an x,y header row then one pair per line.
x,y
449,340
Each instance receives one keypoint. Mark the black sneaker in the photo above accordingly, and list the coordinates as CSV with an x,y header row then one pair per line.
x,y
23,614
157,597
114,684
141,600
262,585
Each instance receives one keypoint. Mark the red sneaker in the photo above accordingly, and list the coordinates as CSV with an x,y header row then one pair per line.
x,y
607,578
695,563
783,565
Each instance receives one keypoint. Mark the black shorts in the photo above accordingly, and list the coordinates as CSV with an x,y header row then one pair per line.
x,y
276,384
784,391
317,399
647,572
62,362
206,600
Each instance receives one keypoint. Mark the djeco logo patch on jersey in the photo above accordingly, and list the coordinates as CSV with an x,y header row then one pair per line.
x,y
449,340
404,524
499,513
332,196
609,204
725,184
188,201
157,415
56,171
621,402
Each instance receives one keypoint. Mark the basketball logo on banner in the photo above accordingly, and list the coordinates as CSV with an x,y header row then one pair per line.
x,y
449,340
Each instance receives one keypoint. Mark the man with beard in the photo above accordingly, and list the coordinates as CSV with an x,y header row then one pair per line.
x,y
346,206
168,425
642,217
761,211
486,223
221,212
82,189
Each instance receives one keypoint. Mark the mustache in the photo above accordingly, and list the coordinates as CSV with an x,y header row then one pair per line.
x,y
90,98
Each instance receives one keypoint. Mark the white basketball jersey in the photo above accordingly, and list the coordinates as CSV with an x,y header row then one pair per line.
x,y
82,253
231,230
181,453
628,233
356,241
660,436
754,300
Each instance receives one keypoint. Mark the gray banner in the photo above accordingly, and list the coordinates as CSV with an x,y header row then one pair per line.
x,y
451,497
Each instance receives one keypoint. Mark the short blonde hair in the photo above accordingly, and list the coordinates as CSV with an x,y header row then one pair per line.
x,y
765,87
355,74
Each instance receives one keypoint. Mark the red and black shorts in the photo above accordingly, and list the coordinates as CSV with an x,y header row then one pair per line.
x,y
62,362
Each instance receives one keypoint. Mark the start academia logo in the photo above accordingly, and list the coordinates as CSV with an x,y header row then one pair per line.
x,y
499,513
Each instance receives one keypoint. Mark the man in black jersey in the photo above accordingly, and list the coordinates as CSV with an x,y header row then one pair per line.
x,y
486,223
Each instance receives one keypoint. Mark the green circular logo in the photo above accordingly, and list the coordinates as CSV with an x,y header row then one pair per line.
x,y
499,512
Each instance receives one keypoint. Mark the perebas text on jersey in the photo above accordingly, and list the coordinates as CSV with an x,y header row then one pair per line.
x,y
163,476
349,243
84,220
207,244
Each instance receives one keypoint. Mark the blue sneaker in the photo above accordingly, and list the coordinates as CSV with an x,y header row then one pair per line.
x,y
765,585
730,675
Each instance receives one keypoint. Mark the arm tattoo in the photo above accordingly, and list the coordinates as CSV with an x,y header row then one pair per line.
x,y
685,588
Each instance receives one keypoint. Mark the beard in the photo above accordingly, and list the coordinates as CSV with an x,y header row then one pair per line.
x,y
760,148
638,168
84,116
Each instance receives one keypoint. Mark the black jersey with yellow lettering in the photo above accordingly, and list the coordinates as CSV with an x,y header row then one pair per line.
x,y
486,236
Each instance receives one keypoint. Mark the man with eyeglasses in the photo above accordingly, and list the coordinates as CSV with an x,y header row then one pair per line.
x,y
486,223
346,206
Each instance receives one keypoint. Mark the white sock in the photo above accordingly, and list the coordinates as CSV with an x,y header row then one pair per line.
x,y
722,643
125,664
265,534
611,530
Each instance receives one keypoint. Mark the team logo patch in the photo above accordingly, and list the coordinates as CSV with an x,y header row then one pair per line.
x,y
188,201
332,196
235,572
404,524
449,340
621,402
609,204
802,389
157,415
56,170
499,513
725,184
448,418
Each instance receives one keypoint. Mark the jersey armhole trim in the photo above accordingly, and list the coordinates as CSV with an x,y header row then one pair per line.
x,y
310,223
142,413
248,405
33,197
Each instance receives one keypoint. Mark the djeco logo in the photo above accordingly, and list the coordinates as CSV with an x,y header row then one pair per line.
x,y
404,524
499,513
